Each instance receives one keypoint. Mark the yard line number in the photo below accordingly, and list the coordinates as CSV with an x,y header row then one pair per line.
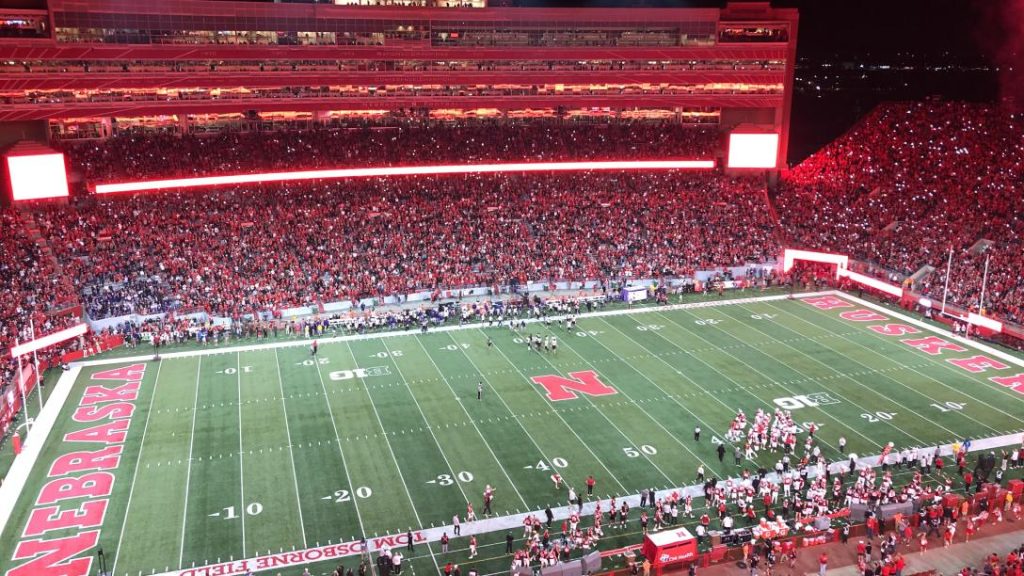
x,y
631,451
948,406
877,416
230,513
707,322
557,462
363,492
447,479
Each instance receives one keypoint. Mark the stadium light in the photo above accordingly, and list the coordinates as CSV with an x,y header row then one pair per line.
x,y
37,176
446,169
753,150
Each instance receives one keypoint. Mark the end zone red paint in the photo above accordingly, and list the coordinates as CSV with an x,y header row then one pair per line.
x,y
80,474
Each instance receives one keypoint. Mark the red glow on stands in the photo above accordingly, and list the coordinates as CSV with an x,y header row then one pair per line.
x,y
37,176
49,340
753,150
404,171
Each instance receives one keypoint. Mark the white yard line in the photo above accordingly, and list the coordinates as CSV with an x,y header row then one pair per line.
x,y
135,475
512,414
470,418
856,382
631,399
188,476
17,476
291,453
753,368
341,451
423,415
241,450
562,418
945,334
880,355
399,333
682,443
516,520
384,434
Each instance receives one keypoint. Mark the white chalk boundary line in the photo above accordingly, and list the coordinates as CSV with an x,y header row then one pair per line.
x,y
513,522
17,476
921,324
415,331
25,462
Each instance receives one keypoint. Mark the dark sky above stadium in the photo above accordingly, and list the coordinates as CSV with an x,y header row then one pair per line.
x,y
966,29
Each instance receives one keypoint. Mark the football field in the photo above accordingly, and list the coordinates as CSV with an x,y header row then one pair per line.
x,y
211,456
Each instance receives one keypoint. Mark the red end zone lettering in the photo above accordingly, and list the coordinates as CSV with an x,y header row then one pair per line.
x,y
977,363
560,388
97,394
862,316
82,461
87,515
133,372
1015,383
827,302
893,329
53,557
933,345
112,411
107,433
92,485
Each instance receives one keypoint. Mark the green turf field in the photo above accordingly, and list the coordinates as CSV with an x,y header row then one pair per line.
x,y
241,452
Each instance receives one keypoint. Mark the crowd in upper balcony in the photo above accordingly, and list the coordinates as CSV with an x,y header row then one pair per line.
x,y
31,288
909,182
132,157
197,66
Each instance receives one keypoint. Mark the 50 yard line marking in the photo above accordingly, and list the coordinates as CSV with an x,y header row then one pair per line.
x,y
188,475
135,476
241,451
291,453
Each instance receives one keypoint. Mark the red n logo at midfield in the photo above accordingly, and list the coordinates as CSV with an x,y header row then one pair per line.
x,y
586,382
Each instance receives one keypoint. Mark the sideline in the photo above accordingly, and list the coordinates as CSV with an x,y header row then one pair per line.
x,y
413,332
17,477
288,559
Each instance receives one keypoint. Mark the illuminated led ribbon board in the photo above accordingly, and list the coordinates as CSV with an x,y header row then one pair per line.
x,y
447,169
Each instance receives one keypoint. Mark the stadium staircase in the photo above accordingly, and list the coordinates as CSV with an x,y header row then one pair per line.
x,y
36,235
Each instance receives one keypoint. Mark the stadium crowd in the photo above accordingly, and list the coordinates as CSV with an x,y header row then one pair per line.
x,y
911,181
275,247
166,155
31,287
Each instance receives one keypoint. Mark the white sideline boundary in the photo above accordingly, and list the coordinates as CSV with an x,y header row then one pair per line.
x,y
25,462
944,333
17,476
515,521
414,332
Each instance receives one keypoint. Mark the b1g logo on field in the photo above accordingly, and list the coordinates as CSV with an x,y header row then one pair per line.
x,y
360,373
805,401
585,382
